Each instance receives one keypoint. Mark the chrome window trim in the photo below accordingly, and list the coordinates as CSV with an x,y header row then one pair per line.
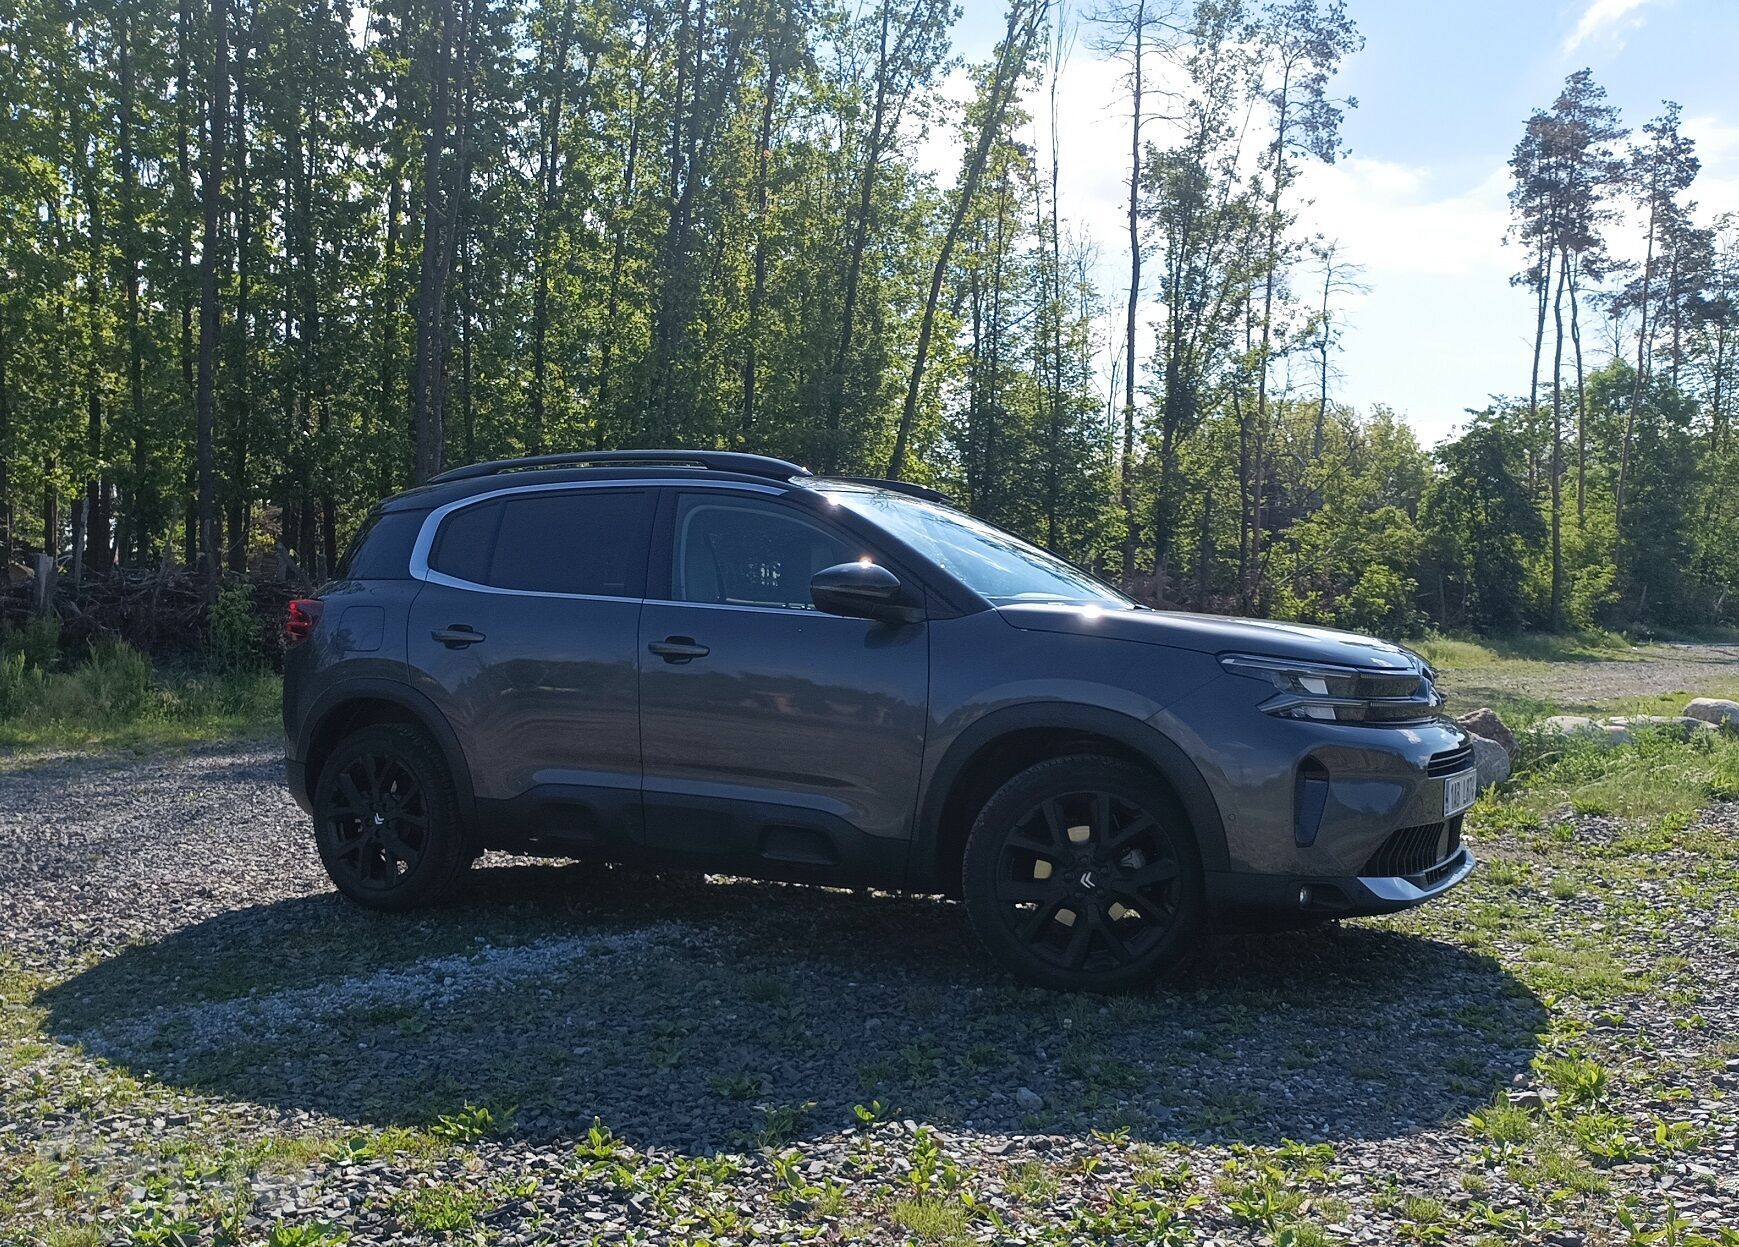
x,y
420,569
802,612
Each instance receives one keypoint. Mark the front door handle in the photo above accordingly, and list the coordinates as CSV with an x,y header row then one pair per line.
x,y
678,649
457,637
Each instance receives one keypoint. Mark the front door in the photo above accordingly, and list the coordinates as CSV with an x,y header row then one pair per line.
x,y
775,738
525,636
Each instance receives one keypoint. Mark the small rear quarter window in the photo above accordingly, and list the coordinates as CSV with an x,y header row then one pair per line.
x,y
381,549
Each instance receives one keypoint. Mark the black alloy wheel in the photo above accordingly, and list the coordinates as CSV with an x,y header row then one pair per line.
x,y
385,819
1081,874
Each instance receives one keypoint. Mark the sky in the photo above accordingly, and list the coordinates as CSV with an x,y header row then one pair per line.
x,y
1419,202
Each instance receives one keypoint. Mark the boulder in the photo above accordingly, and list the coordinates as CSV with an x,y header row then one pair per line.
x,y
1492,759
1621,729
1485,722
1714,710
1569,725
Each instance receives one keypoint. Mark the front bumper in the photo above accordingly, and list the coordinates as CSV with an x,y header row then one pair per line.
x,y
1337,897
1350,817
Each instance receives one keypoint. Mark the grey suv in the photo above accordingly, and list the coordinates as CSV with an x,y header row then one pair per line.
x,y
719,661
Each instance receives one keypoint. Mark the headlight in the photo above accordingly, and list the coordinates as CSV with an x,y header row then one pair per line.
x,y
1309,690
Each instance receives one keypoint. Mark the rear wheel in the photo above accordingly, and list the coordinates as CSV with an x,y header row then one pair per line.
x,y
386,821
1081,875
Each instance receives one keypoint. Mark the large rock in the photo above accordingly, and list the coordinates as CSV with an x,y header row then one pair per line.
x,y
1569,725
1492,759
1715,710
1485,722
1622,730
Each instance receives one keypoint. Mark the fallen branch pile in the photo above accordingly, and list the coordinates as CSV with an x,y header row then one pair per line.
x,y
163,611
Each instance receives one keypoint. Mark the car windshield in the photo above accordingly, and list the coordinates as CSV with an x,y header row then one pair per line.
x,y
997,565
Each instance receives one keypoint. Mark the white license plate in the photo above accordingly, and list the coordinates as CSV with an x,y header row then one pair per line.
x,y
1459,792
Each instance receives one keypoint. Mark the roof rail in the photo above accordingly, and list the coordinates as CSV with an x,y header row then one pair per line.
x,y
717,460
901,487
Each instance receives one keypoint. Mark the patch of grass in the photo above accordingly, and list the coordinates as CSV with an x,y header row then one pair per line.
x,y
933,1219
1453,651
443,1209
1654,777
116,699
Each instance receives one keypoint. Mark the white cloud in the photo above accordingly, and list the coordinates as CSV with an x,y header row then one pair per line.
x,y
1603,17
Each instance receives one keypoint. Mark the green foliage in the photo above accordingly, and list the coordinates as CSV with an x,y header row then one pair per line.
x,y
235,633
36,643
115,697
1481,529
732,236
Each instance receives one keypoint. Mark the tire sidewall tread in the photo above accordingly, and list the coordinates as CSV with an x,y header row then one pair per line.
x,y
1053,777
447,854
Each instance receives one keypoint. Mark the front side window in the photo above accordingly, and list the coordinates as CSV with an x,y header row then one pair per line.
x,y
740,552
589,542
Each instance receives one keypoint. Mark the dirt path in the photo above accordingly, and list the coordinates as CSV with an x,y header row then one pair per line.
x,y
1646,672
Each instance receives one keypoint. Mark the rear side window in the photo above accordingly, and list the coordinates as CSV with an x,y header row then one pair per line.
x,y
590,542
463,545
381,549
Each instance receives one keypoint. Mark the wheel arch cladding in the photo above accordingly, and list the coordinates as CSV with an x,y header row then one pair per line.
x,y
1005,742
356,704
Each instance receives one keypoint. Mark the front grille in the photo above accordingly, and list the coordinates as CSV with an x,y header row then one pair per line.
x,y
1450,762
1414,851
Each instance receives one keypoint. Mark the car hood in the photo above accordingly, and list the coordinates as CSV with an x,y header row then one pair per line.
x,y
1214,634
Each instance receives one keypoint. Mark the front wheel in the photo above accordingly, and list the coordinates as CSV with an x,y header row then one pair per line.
x,y
386,821
1081,874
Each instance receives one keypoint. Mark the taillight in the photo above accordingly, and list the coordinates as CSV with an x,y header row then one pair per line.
x,y
299,619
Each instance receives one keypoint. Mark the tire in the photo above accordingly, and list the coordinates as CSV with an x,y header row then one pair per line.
x,y
1117,901
386,820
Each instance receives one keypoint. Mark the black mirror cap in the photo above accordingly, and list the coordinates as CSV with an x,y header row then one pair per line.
x,y
861,591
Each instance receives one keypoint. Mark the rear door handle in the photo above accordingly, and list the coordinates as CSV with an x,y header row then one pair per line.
x,y
457,637
678,649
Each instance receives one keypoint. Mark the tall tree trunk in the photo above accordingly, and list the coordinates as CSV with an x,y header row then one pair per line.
x,y
548,188
428,366
1053,466
1270,277
1023,27
95,545
1555,611
1126,457
141,510
241,379
763,155
211,190
1581,396
861,221
1542,305
1636,393
5,444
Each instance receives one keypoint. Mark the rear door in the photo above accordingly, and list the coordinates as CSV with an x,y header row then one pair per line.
x,y
776,738
525,635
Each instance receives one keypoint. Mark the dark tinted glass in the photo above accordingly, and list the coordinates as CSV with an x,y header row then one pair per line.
x,y
463,545
591,541
750,554
381,549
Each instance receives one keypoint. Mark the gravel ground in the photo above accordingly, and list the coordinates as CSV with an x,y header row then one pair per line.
x,y
1644,672
199,1042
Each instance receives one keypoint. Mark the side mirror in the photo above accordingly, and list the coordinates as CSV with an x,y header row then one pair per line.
x,y
861,591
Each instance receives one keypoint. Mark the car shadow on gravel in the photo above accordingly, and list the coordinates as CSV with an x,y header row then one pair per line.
x,y
705,1014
